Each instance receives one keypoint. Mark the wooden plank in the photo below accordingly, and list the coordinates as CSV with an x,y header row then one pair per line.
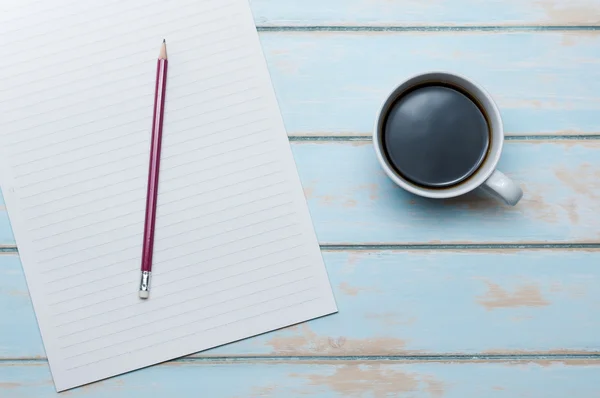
x,y
353,202
333,82
327,379
407,303
423,13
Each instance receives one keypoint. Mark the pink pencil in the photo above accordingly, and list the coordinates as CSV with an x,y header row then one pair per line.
x,y
151,197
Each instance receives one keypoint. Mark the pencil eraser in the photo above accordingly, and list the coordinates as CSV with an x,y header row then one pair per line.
x,y
144,294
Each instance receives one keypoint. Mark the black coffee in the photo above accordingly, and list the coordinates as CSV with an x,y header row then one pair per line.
x,y
435,136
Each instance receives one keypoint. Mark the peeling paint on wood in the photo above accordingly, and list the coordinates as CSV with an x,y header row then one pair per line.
x,y
308,192
307,340
571,208
435,388
523,296
349,290
350,203
566,12
406,299
391,318
267,391
377,380
584,180
6,386
339,173
332,379
544,210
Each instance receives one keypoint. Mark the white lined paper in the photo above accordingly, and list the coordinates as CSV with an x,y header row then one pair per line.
x,y
235,251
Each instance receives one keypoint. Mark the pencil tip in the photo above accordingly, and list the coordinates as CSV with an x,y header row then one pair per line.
x,y
163,50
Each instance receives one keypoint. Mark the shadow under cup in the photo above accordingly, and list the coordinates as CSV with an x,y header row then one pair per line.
x,y
439,135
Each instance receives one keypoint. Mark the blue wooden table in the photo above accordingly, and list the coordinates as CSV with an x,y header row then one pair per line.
x,y
460,298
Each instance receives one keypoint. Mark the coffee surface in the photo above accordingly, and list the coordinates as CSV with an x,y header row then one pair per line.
x,y
435,136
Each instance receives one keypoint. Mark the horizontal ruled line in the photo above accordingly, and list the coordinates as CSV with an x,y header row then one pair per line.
x,y
70,162
163,203
97,257
231,253
131,179
222,325
120,80
176,315
62,17
225,186
279,238
201,227
41,10
124,34
137,233
134,178
229,152
142,162
157,285
95,315
106,299
219,86
121,70
171,111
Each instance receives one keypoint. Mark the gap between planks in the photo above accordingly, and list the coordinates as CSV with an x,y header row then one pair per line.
x,y
429,28
368,138
487,358
427,246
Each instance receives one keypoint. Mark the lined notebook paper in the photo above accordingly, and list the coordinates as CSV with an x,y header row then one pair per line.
x,y
235,250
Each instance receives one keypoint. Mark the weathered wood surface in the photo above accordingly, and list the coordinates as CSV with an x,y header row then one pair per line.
x,y
426,13
334,82
353,202
527,314
324,379
412,302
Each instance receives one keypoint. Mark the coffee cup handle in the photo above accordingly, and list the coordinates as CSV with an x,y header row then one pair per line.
x,y
502,187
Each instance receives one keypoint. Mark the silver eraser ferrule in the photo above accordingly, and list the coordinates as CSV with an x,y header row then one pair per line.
x,y
145,285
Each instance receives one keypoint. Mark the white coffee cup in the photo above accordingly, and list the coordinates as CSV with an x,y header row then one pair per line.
x,y
486,176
